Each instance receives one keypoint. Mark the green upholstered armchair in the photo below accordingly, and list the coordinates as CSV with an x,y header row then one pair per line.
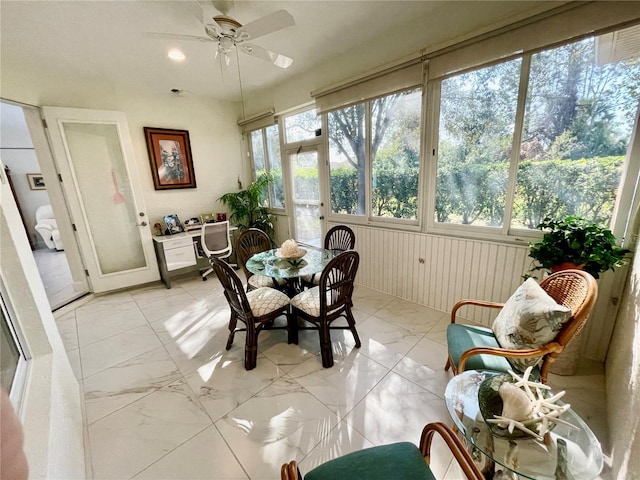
x,y
397,461
477,348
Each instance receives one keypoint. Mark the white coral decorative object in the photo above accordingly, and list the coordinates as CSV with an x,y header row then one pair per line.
x,y
516,404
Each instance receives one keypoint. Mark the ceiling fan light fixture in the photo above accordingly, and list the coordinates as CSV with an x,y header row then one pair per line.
x,y
227,23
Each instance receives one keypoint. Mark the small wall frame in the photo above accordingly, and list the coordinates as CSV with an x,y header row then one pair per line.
x,y
36,181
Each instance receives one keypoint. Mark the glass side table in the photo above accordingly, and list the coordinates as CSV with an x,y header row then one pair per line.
x,y
580,451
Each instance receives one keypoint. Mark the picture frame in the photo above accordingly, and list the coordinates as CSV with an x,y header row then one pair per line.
x,y
173,223
170,158
36,181
207,218
193,223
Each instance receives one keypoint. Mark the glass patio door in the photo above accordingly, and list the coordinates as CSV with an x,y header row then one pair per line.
x,y
94,155
308,208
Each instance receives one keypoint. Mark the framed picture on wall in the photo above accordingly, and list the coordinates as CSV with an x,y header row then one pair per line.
x,y
170,158
36,181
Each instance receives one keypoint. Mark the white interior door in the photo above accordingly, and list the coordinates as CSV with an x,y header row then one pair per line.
x,y
95,159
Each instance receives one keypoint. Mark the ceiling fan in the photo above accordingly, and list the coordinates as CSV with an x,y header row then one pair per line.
x,y
228,33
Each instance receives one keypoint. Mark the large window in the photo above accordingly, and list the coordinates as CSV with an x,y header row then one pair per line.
x,y
374,153
563,138
265,151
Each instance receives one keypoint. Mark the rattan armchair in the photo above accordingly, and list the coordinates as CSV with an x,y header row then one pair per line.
x,y
396,461
575,289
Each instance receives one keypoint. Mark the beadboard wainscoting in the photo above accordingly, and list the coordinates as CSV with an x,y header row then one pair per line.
x,y
437,271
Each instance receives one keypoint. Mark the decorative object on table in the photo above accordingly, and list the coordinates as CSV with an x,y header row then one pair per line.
x,y
247,210
36,181
170,158
508,402
290,252
173,224
576,243
207,218
157,229
221,217
192,224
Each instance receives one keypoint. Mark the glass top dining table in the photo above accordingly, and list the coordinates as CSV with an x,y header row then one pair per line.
x,y
270,263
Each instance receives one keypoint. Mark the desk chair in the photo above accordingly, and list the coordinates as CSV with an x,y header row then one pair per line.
x,y
215,240
401,461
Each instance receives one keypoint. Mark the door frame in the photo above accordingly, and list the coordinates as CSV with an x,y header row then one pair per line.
x,y
316,144
100,282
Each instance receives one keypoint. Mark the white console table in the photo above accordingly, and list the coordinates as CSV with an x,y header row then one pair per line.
x,y
178,251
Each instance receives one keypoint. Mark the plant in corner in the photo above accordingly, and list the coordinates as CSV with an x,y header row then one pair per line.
x,y
247,210
577,242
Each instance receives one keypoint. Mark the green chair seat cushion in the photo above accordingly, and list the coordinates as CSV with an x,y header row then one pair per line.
x,y
398,461
463,337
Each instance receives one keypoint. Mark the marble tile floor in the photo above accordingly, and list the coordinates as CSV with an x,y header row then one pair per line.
x,y
56,276
164,400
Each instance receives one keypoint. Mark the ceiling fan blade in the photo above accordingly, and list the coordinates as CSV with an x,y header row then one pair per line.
x,y
277,59
270,23
176,36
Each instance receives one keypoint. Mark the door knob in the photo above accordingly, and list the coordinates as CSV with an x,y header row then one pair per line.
x,y
321,217
142,224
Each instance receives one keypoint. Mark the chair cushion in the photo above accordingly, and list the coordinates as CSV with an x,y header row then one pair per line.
x,y
308,301
266,300
529,319
463,337
258,281
398,461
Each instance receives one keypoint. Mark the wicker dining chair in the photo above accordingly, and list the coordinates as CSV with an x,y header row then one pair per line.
x,y
338,239
248,243
477,348
401,460
256,309
330,300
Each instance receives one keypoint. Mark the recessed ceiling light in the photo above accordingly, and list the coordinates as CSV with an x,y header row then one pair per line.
x,y
176,54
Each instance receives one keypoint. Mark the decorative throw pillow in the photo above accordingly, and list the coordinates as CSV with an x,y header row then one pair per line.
x,y
529,318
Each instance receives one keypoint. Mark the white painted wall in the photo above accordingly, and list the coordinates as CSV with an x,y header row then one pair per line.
x,y
50,410
216,142
623,380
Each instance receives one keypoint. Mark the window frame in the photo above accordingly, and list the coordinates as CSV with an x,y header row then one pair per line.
x,y
506,233
267,163
368,218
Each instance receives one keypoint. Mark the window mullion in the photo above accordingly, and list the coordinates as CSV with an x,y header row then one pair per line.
x,y
368,193
523,87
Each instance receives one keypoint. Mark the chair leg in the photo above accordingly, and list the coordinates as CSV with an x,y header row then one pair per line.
x,y
292,327
325,344
352,326
233,321
251,347
448,364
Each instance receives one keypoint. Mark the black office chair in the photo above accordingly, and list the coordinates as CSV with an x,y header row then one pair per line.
x,y
215,240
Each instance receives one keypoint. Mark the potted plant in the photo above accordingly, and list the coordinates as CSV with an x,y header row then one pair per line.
x,y
247,210
574,242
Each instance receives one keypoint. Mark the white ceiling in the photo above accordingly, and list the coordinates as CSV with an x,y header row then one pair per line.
x,y
103,41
